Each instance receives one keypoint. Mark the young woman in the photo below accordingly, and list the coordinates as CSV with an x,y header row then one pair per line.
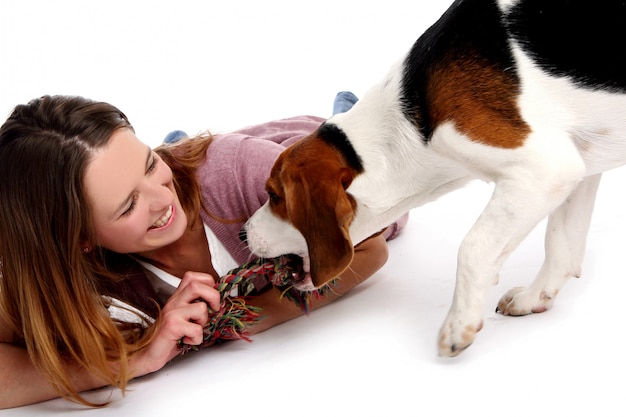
x,y
106,246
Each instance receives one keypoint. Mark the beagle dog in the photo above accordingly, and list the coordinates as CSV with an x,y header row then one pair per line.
x,y
527,94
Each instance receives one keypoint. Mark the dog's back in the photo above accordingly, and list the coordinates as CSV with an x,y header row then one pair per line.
x,y
466,66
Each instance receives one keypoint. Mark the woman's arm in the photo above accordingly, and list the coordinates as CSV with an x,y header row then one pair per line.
x,y
369,256
182,317
21,383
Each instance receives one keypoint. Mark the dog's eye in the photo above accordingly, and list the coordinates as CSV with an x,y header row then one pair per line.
x,y
274,198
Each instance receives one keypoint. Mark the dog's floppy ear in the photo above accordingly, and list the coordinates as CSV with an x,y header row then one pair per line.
x,y
322,211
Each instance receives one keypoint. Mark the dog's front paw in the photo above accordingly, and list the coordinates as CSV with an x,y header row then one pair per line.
x,y
520,301
457,334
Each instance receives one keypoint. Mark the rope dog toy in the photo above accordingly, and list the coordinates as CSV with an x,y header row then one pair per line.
x,y
235,314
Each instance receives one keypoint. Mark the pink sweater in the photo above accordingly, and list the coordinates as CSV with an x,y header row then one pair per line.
x,y
233,176
232,181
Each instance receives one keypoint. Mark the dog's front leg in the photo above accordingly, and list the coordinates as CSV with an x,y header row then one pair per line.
x,y
566,236
517,205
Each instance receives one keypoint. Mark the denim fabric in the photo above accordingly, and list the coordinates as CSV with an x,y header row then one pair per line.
x,y
344,100
174,136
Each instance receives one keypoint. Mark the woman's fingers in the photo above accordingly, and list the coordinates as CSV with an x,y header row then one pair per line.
x,y
186,322
196,286
191,330
187,311
183,318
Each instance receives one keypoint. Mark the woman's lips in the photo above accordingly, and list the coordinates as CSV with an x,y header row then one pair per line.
x,y
164,220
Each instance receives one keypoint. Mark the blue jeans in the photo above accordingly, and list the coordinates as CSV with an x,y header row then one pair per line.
x,y
344,100
174,136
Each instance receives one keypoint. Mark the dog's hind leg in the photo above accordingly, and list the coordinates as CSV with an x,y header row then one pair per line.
x,y
566,235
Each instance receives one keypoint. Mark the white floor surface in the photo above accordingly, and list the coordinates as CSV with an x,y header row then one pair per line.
x,y
200,65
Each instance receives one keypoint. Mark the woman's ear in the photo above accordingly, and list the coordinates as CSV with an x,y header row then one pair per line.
x,y
86,246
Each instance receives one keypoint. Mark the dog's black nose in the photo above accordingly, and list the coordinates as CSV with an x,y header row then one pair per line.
x,y
242,235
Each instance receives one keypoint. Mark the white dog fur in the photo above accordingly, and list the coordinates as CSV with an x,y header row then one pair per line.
x,y
574,129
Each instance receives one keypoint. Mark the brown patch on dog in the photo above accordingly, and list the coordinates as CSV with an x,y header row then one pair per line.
x,y
480,99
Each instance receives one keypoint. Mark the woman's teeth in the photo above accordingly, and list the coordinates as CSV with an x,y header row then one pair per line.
x,y
163,220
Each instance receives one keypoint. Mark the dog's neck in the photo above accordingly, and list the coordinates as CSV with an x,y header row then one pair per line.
x,y
393,152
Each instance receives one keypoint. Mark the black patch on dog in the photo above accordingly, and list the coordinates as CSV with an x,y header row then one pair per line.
x,y
584,40
470,31
336,137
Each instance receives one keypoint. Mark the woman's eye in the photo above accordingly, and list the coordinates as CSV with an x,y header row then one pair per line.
x,y
152,165
130,208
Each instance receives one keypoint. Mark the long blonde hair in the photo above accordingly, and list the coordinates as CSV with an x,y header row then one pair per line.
x,y
50,289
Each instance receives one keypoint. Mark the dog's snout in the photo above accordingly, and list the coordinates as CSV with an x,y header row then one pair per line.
x,y
243,236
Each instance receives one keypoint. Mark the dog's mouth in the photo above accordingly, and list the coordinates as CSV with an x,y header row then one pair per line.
x,y
297,272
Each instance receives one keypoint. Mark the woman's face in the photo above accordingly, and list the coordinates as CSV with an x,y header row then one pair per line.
x,y
134,203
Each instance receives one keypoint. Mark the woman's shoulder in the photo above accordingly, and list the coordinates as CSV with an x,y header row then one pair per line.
x,y
234,151
281,131
238,164
255,146
295,123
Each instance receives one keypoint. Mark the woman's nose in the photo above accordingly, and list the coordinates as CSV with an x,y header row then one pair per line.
x,y
160,196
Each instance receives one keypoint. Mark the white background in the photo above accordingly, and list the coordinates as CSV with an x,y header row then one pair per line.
x,y
223,65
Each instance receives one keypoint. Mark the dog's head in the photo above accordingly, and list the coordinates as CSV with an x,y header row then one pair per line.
x,y
309,211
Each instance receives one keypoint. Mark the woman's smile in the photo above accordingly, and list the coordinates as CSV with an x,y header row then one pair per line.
x,y
165,220
134,201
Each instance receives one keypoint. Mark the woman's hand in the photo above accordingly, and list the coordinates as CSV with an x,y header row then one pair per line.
x,y
183,317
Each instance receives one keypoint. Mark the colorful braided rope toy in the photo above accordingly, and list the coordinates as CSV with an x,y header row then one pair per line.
x,y
235,314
